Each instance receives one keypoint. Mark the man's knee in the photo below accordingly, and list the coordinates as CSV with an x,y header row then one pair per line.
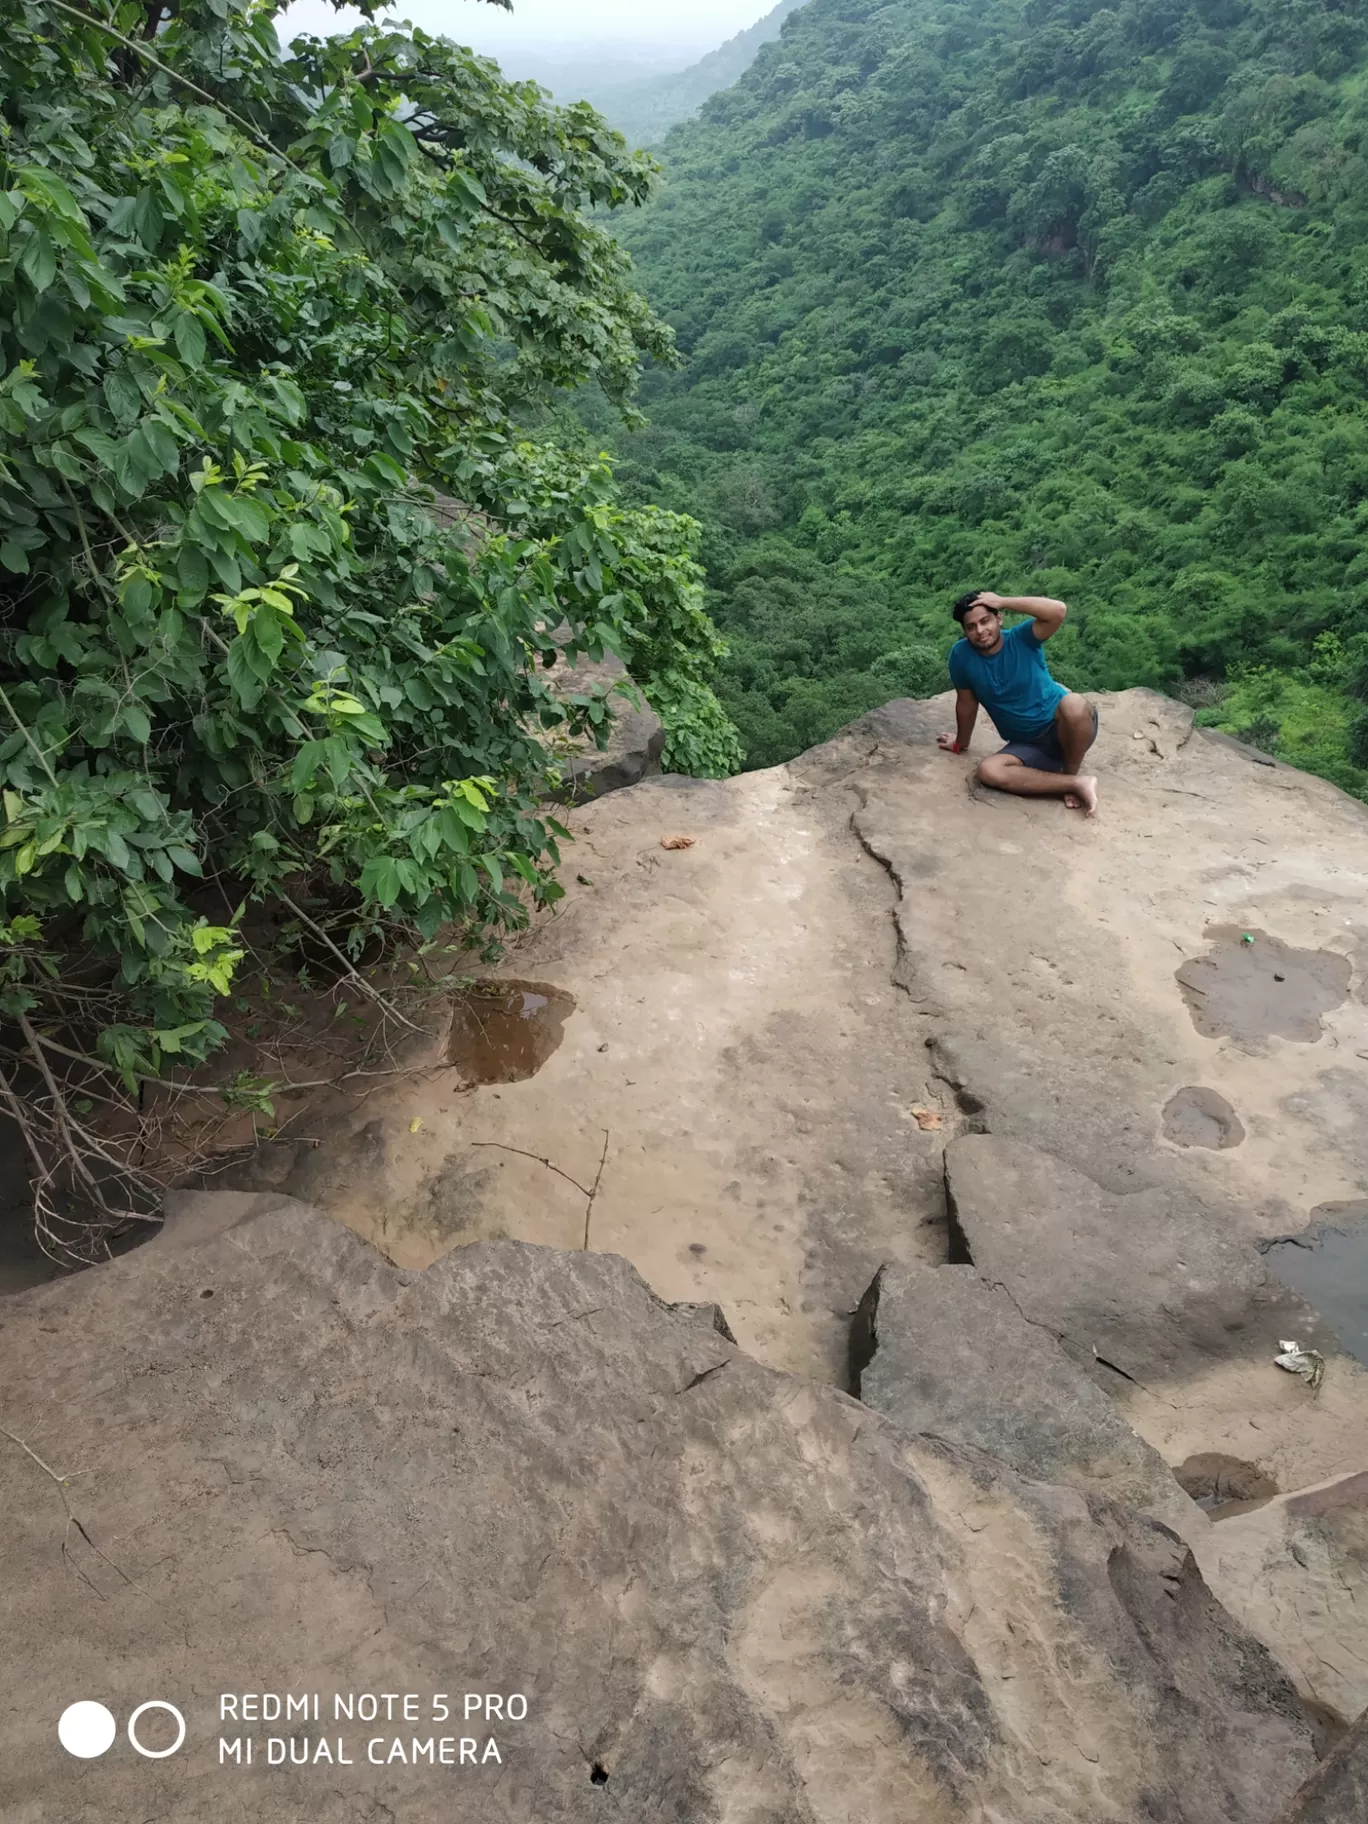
x,y
994,770
1075,708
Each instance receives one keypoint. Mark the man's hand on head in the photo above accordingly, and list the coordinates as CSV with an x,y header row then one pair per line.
x,y
987,599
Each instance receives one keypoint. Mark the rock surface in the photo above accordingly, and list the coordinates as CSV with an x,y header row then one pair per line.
x,y
635,742
727,1595
1337,1792
941,1351
863,956
860,961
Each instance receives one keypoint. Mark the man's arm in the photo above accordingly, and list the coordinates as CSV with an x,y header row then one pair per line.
x,y
966,714
1048,615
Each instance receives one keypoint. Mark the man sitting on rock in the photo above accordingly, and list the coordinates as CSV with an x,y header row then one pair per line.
x,y
1048,729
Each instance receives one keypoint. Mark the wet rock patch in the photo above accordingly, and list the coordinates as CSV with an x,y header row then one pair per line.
x,y
1194,1116
1252,986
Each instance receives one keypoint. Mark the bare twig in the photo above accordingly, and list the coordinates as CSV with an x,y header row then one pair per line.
x,y
522,1151
353,975
589,1192
598,1179
72,1519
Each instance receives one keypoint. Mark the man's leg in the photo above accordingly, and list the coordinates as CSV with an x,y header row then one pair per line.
x,y
1008,774
1076,729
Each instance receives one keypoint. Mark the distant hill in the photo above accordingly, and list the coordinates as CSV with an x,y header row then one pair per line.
x,y
646,107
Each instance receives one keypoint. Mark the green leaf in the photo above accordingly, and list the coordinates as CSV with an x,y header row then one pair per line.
x,y
242,673
38,261
268,635
192,575
189,334
135,720
124,396
162,443
306,764
380,881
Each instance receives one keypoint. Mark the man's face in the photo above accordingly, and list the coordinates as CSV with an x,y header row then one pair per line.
x,y
982,629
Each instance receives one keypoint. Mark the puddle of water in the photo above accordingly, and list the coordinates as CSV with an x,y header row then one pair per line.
x,y
1263,989
1223,1486
1199,1117
1329,1267
503,1032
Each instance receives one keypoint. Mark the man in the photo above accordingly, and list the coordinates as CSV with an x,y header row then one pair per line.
x,y
1048,729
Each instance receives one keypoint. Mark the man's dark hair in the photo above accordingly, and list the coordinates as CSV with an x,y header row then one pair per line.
x,y
965,603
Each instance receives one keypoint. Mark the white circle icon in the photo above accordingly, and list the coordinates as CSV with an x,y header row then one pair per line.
x,y
86,1729
156,1754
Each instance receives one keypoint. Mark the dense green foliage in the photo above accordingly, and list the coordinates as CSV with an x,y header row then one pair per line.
x,y
1040,296
257,309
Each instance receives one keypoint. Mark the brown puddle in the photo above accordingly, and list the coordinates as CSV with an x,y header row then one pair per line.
x,y
503,1032
1262,989
1223,1486
1199,1117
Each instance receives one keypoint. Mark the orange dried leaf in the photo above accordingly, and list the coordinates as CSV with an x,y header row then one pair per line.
x,y
677,842
928,1119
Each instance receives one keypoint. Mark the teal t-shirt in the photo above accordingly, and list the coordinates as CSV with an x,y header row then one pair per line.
x,y
1013,684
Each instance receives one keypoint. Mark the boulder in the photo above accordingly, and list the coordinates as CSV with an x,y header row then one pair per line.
x,y
635,742
942,1352
723,1593
1337,1792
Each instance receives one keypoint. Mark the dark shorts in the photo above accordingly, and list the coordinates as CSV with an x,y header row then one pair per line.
x,y
1043,751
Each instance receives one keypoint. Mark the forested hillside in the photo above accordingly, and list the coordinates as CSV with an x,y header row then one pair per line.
x,y
645,108
1043,297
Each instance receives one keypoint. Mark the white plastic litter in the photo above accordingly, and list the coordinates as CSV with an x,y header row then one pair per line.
x,y
1308,1363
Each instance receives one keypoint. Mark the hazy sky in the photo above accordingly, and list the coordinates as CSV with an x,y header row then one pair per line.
x,y
695,24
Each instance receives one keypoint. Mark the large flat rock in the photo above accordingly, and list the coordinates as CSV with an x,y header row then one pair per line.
x,y
726,1594
864,956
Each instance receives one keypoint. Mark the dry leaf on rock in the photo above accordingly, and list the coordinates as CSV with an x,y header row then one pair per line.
x,y
928,1119
677,842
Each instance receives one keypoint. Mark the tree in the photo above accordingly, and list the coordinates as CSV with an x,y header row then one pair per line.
x,y
261,315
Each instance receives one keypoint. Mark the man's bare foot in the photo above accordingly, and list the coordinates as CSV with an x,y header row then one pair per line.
x,y
1086,796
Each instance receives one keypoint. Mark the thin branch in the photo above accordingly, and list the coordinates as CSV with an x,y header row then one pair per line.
x,y
21,1121
72,1519
38,752
583,1189
97,575
71,1130
598,1179
589,1192
352,973
224,1090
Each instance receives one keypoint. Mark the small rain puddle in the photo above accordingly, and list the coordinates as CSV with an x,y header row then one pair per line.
x,y
1261,989
1224,1486
1199,1117
1328,1264
503,1032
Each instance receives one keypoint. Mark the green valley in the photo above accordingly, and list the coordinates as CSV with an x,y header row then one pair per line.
x,y
1047,297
